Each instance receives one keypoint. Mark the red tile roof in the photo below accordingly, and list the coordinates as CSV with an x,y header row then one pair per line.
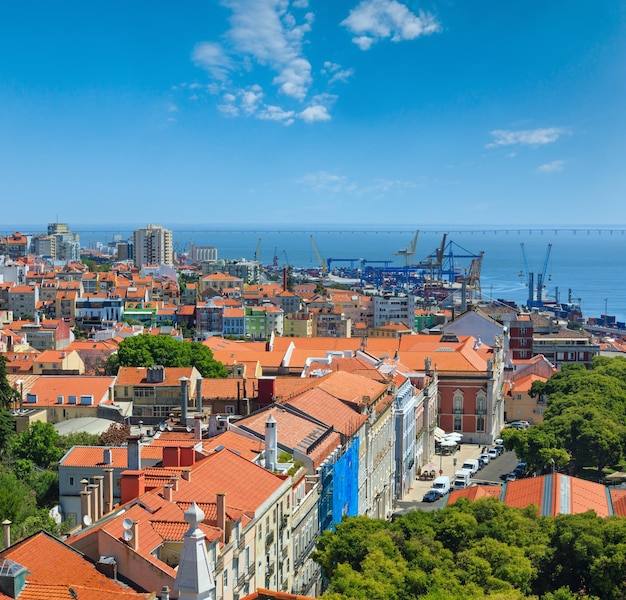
x,y
52,578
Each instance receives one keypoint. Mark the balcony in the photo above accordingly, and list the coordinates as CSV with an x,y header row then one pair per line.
x,y
250,572
269,539
457,411
284,552
219,564
269,570
284,521
241,580
481,411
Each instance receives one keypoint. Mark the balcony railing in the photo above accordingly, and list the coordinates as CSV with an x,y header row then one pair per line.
x,y
269,539
219,564
481,411
457,411
283,522
269,570
250,572
284,552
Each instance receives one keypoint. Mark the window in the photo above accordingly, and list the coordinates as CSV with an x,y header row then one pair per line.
x,y
458,424
518,397
480,424
481,404
457,403
71,481
225,578
230,409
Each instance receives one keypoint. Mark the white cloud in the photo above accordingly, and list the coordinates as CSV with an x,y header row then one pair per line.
x,y
335,72
375,20
326,182
300,3
529,137
212,57
551,167
315,112
230,110
275,113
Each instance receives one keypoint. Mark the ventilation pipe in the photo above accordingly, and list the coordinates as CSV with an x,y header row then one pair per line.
x,y
199,395
271,444
184,399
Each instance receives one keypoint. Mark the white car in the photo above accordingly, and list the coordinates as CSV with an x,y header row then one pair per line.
x,y
493,453
485,458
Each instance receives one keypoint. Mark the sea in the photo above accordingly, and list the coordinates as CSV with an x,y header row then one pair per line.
x,y
584,265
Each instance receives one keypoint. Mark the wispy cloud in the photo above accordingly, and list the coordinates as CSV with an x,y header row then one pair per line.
x,y
375,20
551,167
335,72
325,182
528,137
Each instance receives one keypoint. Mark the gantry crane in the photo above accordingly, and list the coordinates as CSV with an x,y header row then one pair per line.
x,y
320,259
256,252
535,295
408,253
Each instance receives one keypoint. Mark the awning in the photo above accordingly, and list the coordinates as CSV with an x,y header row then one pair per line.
x,y
439,433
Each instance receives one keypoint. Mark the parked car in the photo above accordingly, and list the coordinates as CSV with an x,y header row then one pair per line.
x,y
481,463
485,458
511,476
442,484
499,448
432,495
493,453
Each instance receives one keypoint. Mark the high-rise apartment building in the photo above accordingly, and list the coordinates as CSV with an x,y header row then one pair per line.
x,y
66,244
153,246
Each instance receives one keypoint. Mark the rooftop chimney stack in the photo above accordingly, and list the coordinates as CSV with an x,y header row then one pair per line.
x,y
271,444
199,395
134,453
6,526
184,399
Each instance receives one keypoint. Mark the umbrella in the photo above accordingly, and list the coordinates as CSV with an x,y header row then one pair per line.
x,y
447,443
430,467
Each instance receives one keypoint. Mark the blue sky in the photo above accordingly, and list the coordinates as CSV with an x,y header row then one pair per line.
x,y
320,111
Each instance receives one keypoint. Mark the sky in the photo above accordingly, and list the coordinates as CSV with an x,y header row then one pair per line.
x,y
488,112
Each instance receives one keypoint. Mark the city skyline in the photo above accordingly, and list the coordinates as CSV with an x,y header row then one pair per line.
x,y
269,111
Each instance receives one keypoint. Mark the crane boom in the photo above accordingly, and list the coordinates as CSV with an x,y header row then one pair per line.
x,y
542,274
256,252
320,259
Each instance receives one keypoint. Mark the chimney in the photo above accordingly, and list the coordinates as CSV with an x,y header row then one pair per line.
x,y
99,481
85,508
6,526
197,428
184,399
271,445
107,565
171,456
133,485
108,456
221,516
199,395
174,482
266,391
134,453
165,593
95,501
187,474
168,492
187,456
134,542
107,506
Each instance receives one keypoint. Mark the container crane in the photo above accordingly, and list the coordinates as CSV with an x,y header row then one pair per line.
x,y
541,276
535,294
256,252
320,259
408,253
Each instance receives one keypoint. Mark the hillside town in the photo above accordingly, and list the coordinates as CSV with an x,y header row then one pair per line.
x,y
336,400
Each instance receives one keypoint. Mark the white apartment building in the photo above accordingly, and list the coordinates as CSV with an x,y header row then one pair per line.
x,y
153,246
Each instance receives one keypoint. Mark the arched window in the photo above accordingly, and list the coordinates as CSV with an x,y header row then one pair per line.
x,y
481,404
480,424
457,403
458,424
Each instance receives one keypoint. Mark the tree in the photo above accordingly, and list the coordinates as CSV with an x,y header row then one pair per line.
x,y
8,395
116,435
39,443
147,350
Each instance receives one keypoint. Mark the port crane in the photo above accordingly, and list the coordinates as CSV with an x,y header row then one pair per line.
x,y
256,252
320,259
408,253
535,294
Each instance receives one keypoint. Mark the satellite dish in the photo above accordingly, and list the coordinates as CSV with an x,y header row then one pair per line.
x,y
169,428
188,428
127,523
127,535
161,426
87,520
